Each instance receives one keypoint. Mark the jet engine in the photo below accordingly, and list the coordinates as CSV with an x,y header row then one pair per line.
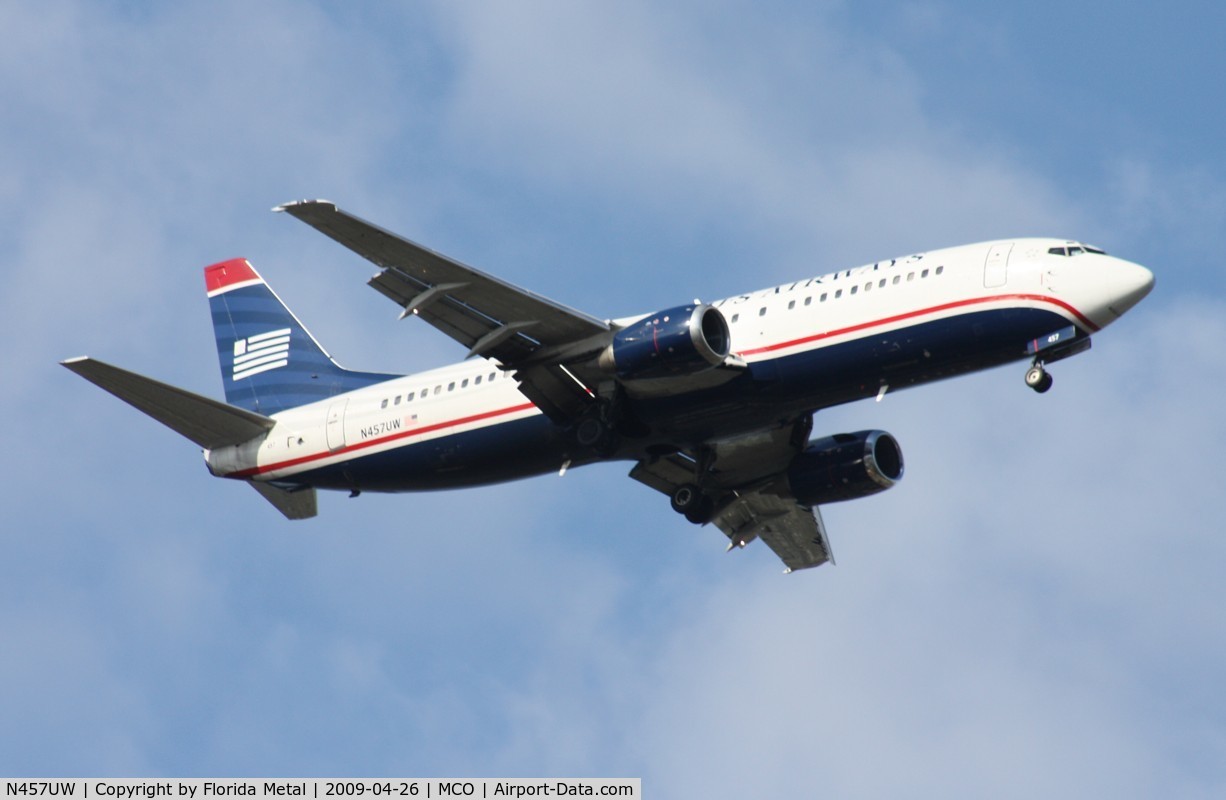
x,y
677,341
844,467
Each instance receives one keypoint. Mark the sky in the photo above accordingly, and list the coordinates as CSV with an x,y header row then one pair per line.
x,y
1034,611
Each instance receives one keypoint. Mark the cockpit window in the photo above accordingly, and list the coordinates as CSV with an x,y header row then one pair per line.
x,y
1075,249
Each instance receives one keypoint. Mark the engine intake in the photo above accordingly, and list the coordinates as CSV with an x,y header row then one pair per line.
x,y
677,341
844,467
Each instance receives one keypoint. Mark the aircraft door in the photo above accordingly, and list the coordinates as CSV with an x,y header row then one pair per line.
x,y
995,267
335,429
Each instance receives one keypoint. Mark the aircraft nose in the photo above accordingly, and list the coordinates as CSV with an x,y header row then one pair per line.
x,y
1130,284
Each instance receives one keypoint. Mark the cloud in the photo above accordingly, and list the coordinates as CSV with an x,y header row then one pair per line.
x,y
808,147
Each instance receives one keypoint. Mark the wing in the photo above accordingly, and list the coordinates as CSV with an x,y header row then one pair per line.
x,y
796,534
492,318
746,473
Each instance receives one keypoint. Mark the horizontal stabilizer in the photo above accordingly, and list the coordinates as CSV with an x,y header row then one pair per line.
x,y
207,422
299,504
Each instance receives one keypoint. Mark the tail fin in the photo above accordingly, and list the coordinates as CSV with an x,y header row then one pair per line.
x,y
269,361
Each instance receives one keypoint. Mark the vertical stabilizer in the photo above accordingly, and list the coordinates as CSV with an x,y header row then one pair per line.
x,y
269,361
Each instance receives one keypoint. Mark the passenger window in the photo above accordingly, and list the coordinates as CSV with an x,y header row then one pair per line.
x,y
438,389
910,276
425,392
477,381
762,311
791,304
464,384
492,374
940,270
396,402
451,386
822,299
924,274
808,300
409,399
384,403
838,293
881,283
855,288
897,278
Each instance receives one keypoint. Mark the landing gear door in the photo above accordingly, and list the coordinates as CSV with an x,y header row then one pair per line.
x,y
336,425
995,268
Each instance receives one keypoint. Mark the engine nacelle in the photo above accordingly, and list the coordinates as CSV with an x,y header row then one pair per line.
x,y
845,466
677,341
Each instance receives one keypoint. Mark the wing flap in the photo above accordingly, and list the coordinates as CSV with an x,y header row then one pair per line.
x,y
795,533
554,391
664,474
441,306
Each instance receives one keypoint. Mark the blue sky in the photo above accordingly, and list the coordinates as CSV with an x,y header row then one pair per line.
x,y
1034,611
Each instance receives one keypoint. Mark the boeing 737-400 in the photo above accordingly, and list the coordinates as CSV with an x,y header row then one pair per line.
x,y
712,403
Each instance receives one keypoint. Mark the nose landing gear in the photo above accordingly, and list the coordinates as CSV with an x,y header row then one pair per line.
x,y
1038,378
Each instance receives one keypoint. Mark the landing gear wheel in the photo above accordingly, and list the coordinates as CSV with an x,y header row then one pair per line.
x,y
1038,378
686,497
693,503
704,513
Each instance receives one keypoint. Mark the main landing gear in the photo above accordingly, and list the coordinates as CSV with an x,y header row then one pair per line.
x,y
693,503
690,499
599,429
1038,378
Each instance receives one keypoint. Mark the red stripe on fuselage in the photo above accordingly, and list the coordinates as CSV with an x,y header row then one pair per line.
x,y
921,312
247,473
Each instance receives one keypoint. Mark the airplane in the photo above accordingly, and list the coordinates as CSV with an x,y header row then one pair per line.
x,y
713,403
